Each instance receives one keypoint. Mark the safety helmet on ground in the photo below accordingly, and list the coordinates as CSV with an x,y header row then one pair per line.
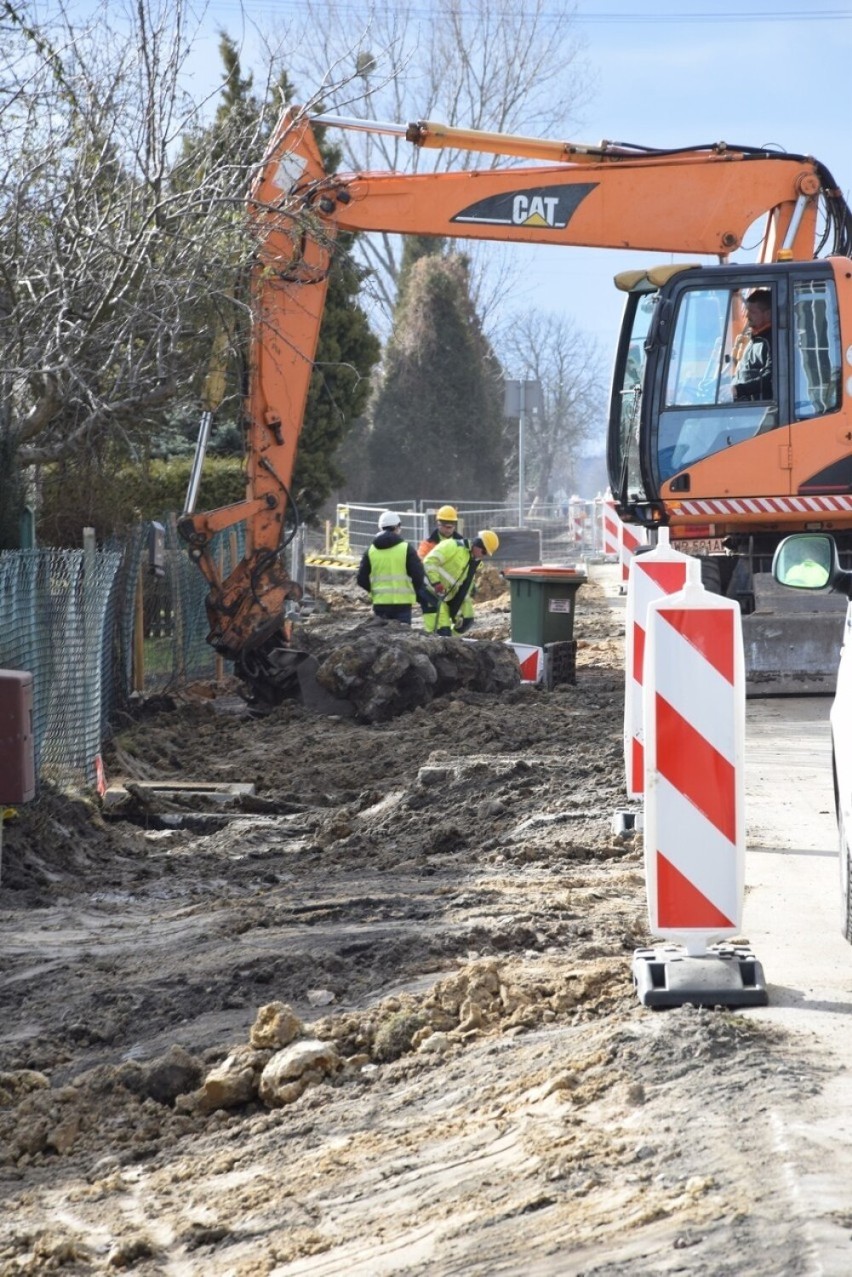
x,y
489,541
389,519
447,514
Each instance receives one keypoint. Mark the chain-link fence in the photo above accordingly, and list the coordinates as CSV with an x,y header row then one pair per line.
x,y
163,621
57,613
96,627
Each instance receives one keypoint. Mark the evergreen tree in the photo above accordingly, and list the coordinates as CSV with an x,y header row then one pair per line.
x,y
438,419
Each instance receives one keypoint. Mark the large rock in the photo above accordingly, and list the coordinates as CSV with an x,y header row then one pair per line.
x,y
230,1084
275,1025
292,1070
385,669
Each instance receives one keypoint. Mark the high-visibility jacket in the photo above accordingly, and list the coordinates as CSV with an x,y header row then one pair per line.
x,y
389,579
450,568
435,538
427,545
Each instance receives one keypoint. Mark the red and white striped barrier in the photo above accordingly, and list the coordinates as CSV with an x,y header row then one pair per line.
x,y
694,700
531,661
610,524
660,572
630,537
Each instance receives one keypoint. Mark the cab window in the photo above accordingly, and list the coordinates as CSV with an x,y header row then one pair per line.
x,y
817,365
708,356
700,361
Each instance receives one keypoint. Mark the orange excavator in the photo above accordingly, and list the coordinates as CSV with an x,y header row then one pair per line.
x,y
729,467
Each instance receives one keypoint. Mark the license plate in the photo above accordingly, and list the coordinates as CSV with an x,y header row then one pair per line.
x,y
698,545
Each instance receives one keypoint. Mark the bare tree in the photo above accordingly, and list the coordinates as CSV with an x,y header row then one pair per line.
x,y
568,364
484,64
120,233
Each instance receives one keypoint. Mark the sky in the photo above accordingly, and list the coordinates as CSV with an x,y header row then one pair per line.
x,y
673,73
678,73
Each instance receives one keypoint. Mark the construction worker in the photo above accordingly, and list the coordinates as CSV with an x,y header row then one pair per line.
x,y
446,525
447,528
391,572
753,376
450,569
807,574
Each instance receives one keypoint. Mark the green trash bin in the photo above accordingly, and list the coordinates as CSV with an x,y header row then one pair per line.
x,y
542,603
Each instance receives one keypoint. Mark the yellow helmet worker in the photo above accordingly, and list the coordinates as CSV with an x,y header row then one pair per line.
x,y
488,540
450,568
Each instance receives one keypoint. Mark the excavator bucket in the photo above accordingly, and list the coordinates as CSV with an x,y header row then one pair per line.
x,y
276,673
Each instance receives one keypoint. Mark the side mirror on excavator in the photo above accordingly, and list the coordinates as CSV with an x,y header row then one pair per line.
x,y
658,330
809,561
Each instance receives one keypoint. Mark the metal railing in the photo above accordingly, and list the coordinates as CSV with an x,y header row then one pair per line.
x,y
558,533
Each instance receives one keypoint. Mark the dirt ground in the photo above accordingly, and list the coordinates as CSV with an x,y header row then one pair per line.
x,y
378,1015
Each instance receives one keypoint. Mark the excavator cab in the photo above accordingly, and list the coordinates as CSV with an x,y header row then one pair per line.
x,y
696,439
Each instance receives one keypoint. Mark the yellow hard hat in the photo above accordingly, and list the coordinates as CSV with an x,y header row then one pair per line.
x,y
448,514
490,541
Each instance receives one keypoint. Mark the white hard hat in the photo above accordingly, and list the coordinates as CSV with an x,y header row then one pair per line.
x,y
389,519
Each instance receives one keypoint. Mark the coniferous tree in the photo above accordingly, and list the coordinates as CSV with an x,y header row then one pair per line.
x,y
438,423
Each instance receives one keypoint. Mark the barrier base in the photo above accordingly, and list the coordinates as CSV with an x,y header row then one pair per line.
x,y
625,822
560,663
726,976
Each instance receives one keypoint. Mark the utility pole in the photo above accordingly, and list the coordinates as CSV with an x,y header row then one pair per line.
x,y
520,398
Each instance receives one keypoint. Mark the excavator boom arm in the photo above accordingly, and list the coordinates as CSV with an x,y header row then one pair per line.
x,y
700,200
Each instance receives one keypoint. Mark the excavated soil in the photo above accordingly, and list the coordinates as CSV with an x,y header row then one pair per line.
x,y
376,1016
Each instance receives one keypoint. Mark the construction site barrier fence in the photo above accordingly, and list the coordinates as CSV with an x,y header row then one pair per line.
x,y
557,533
96,626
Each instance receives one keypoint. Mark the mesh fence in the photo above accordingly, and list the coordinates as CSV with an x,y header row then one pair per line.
x,y
57,611
174,622
94,627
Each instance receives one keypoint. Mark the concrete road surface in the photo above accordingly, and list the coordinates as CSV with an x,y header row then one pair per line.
x,y
791,917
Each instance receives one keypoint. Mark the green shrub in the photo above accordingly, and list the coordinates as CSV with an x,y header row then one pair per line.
x,y
113,502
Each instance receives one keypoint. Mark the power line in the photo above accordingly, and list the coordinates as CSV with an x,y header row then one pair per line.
x,y
580,17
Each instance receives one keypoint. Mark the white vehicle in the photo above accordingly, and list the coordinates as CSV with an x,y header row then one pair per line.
x,y
809,561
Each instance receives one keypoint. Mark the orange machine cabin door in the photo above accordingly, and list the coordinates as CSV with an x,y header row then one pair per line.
x,y
821,432
722,428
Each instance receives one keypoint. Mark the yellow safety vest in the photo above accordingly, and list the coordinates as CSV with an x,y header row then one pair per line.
x,y
389,581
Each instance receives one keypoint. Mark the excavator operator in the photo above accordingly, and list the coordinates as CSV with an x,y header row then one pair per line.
x,y
753,376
